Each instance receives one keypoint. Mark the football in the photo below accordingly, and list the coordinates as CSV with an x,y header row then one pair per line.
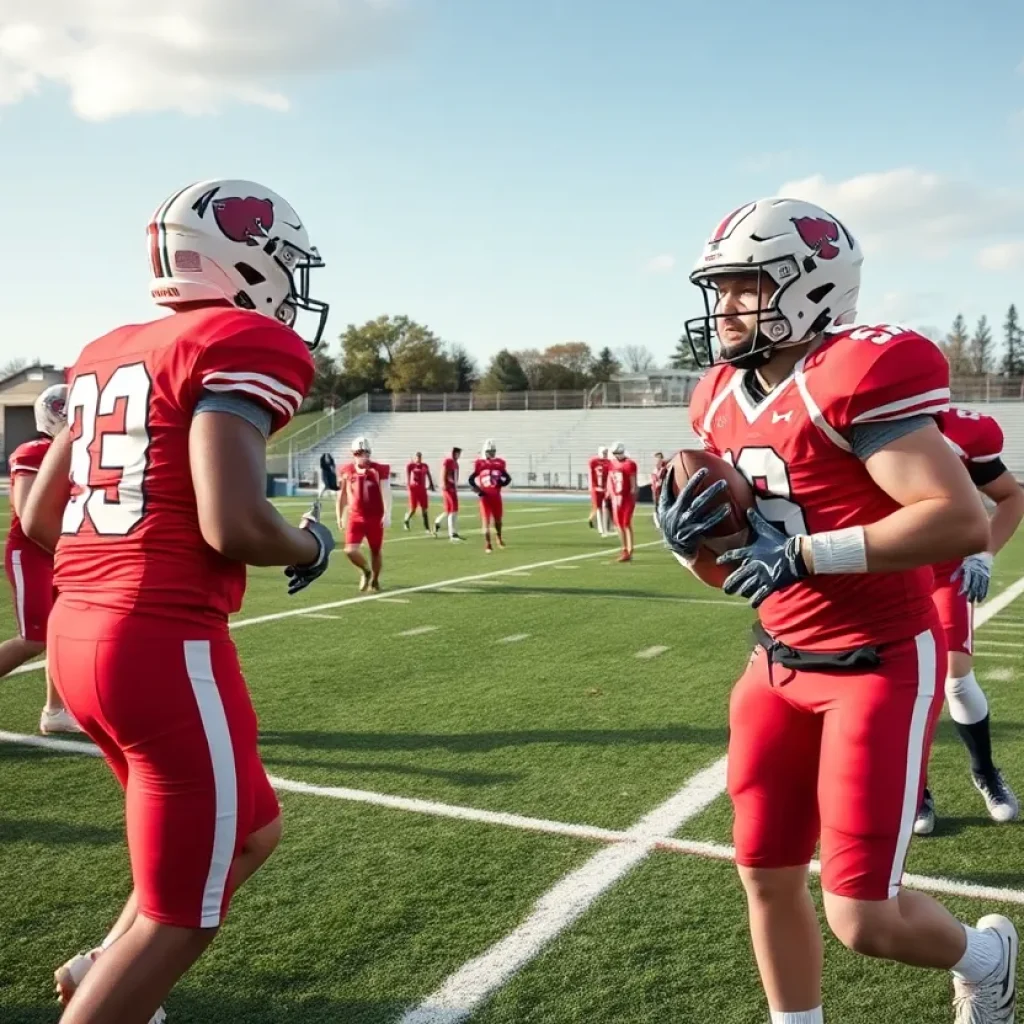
x,y
733,530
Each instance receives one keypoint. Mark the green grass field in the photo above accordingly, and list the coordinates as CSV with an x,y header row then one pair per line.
x,y
526,708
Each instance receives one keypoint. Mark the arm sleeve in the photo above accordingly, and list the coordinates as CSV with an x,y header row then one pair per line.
x,y
238,405
983,473
472,479
868,438
267,364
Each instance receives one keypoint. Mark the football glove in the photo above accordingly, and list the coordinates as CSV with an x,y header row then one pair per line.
x,y
974,574
684,520
771,561
300,576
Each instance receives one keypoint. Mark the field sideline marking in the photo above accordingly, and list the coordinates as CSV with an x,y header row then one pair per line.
x,y
433,808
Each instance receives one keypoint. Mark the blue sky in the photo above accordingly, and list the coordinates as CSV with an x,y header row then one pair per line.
x,y
513,174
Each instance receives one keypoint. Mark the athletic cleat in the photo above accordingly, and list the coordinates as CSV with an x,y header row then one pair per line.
x,y
488,550
60,720
405,525
69,976
375,586
364,581
924,823
501,543
1000,800
993,999
625,557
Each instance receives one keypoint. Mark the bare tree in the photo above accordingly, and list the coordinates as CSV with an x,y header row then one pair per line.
x,y
637,359
11,367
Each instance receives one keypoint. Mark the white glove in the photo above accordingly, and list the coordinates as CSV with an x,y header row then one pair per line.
x,y
975,574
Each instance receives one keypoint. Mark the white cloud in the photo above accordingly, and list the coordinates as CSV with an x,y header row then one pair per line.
x,y
125,56
915,211
1004,256
662,264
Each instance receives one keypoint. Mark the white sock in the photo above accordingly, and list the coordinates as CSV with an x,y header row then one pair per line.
x,y
803,1017
983,956
967,702
452,529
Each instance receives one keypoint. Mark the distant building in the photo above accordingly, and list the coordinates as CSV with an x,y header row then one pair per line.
x,y
17,395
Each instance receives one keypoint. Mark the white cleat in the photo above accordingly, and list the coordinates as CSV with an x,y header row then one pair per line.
x,y
60,720
68,977
993,999
1000,800
924,823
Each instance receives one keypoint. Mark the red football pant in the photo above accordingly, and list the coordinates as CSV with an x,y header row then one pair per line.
x,y
491,507
370,530
956,614
30,572
623,513
418,499
451,501
175,723
839,755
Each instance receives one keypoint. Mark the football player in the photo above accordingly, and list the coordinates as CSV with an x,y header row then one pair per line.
x,y
622,488
450,496
597,469
30,567
657,479
366,494
489,476
328,475
857,494
417,481
978,440
155,503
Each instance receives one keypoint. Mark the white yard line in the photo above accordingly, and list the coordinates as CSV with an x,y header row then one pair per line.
x,y
514,639
1001,643
321,615
417,631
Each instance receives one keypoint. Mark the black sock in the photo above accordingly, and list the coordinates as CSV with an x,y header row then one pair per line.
x,y
426,522
977,738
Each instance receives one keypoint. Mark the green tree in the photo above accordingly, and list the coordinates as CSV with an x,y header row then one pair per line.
x,y
682,357
605,367
328,387
1013,353
504,374
981,348
466,373
575,361
395,354
956,348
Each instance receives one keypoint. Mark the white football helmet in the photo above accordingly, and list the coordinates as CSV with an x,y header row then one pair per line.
x,y
50,410
234,240
812,259
619,450
490,449
602,452
361,445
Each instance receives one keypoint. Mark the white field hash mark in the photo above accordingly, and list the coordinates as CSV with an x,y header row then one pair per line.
x,y
514,639
651,652
418,631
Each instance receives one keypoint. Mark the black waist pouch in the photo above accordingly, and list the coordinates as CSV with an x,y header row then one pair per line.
x,y
855,660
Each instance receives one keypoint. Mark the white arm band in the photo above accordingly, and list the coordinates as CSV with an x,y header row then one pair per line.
x,y
839,551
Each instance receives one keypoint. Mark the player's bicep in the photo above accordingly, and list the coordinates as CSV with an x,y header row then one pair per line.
x,y
227,456
42,513
920,466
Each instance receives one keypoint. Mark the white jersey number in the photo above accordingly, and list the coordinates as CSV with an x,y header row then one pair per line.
x,y
766,472
125,451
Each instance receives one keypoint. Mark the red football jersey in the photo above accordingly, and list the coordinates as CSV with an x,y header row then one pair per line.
x,y
417,475
363,489
131,541
977,439
450,473
598,473
489,473
622,480
25,460
793,446
657,479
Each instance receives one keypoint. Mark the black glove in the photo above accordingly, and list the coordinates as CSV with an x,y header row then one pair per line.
x,y
771,561
300,576
684,520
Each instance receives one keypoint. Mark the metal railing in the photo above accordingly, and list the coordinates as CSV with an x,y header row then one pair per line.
x,y
332,420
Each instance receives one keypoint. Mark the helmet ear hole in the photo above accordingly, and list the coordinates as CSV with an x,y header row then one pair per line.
x,y
817,294
249,274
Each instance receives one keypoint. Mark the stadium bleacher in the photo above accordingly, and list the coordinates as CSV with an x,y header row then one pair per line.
x,y
550,448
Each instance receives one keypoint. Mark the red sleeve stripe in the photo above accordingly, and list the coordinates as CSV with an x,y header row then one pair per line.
x,y
928,402
272,392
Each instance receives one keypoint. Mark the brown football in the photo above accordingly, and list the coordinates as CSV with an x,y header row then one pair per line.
x,y
732,531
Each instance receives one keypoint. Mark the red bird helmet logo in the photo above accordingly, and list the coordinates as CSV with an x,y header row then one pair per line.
x,y
244,220
818,234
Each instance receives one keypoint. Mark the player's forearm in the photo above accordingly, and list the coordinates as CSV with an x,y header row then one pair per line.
x,y
924,533
1005,519
258,535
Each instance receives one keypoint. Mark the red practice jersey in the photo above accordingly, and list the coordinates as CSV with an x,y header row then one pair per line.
x,y
978,440
657,479
26,460
598,468
363,489
622,480
450,473
417,475
130,540
794,448
489,474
